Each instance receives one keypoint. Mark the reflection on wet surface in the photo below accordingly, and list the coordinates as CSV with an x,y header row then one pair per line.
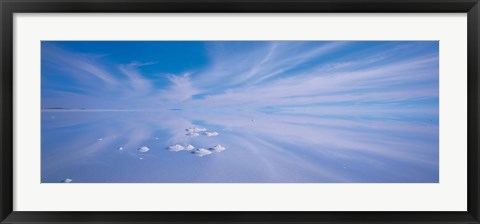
x,y
235,147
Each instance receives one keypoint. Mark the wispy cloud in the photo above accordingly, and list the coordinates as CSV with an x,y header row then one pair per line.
x,y
77,66
181,89
139,84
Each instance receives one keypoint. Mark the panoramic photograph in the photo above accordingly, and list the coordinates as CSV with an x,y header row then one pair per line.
x,y
239,112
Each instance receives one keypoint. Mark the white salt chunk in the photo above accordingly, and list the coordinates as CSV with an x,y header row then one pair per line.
x,y
217,148
68,180
175,148
210,134
195,129
143,149
192,134
201,152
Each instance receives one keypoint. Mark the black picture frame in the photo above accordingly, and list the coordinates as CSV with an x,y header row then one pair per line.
x,y
9,7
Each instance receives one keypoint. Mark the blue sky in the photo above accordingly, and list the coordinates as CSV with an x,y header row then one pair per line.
x,y
312,111
153,75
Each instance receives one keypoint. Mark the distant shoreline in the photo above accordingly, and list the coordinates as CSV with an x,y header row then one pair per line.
x,y
93,110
